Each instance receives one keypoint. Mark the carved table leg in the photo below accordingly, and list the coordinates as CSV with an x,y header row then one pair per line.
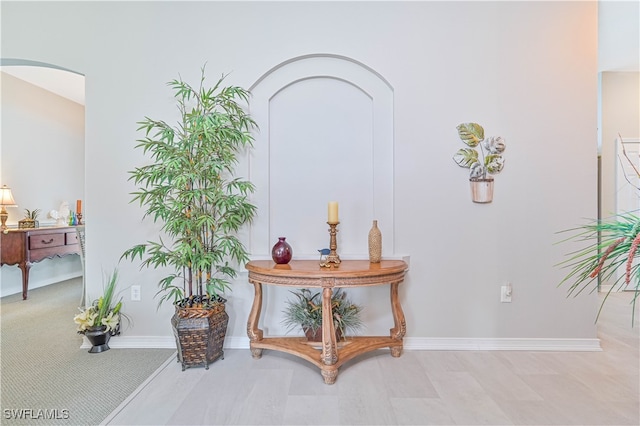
x,y
329,345
329,356
400,326
254,333
329,375
25,278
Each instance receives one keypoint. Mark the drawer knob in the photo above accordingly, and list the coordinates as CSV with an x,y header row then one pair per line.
x,y
47,242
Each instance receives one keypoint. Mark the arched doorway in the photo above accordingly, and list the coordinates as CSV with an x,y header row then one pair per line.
x,y
41,153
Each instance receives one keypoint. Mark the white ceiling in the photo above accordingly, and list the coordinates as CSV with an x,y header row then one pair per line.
x,y
63,83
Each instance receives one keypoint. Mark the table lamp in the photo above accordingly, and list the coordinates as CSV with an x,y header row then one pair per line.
x,y
6,200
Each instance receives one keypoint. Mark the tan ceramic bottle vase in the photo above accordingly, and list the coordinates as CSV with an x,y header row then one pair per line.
x,y
375,243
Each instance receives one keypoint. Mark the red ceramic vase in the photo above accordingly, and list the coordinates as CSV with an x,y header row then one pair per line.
x,y
281,252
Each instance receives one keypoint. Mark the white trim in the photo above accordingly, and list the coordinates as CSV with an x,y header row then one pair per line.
x,y
410,343
502,344
617,288
8,289
324,67
628,140
137,342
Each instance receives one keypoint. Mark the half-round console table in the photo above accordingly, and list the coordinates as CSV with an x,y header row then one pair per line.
x,y
330,354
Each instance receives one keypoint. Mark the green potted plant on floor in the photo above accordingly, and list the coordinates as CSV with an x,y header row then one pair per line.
x,y
190,189
305,311
101,319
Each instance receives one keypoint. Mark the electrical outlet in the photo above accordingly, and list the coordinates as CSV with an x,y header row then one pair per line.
x,y
135,293
505,293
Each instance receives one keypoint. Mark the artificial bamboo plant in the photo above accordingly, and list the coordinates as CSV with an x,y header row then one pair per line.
x,y
190,189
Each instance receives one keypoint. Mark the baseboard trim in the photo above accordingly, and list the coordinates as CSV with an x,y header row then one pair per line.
x,y
502,344
11,288
410,343
137,342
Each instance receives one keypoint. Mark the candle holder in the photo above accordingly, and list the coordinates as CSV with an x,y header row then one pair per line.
x,y
332,259
79,216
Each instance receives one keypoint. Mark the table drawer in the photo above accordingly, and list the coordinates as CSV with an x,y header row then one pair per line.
x,y
71,238
45,241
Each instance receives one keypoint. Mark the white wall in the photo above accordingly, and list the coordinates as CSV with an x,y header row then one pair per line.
x,y
42,160
524,70
620,116
619,35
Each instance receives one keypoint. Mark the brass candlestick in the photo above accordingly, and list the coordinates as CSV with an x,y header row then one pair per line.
x,y
79,216
332,258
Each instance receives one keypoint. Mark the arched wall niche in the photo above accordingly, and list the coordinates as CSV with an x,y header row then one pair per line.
x,y
326,134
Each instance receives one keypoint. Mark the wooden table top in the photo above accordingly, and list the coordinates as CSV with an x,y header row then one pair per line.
x,y
311,269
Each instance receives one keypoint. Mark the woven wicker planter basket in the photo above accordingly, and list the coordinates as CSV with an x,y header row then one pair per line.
x,y
316,335
200,335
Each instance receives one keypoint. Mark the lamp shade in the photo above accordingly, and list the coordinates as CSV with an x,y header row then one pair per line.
x,y
6,198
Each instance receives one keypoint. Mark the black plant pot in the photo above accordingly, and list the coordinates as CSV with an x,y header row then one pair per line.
x,y
99,339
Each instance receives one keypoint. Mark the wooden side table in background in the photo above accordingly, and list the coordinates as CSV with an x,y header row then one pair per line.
x,y
24,247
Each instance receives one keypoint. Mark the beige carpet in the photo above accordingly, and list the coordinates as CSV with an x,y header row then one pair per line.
x,y
46,379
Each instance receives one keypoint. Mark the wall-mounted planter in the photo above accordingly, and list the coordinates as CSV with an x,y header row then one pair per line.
x,y
483,156
481,190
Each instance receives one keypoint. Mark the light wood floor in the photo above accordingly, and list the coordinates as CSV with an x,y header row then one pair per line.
x,y
419,388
